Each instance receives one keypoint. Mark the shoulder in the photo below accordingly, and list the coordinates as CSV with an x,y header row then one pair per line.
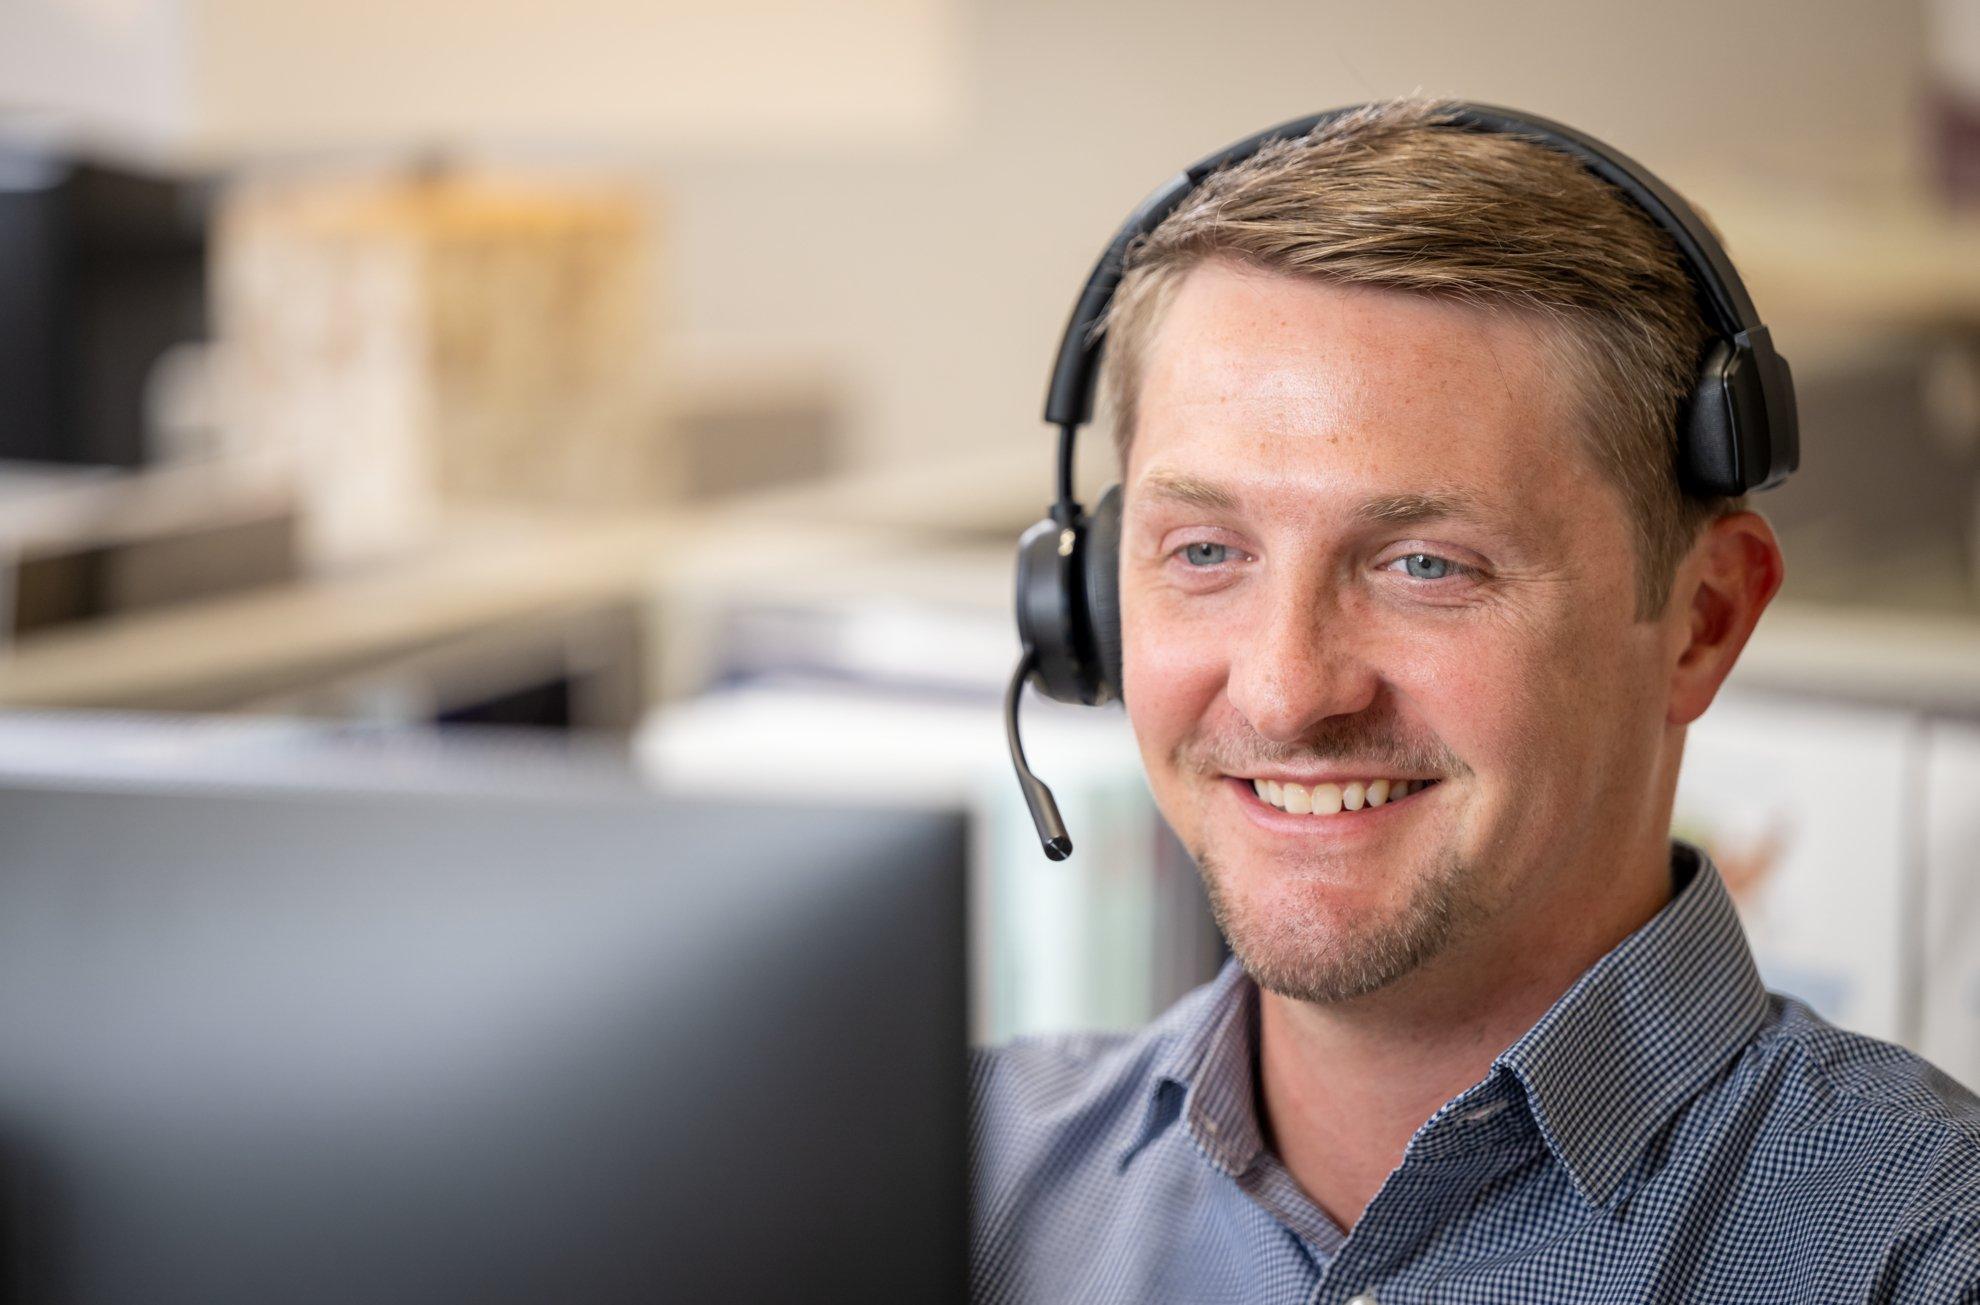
x,y
1839,1080
1062,1102
1068,1083
1059,1209
1878,1131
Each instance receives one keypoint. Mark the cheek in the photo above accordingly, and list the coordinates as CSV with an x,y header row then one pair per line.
x,y
1534,711
1170,675
1498,695
1473,703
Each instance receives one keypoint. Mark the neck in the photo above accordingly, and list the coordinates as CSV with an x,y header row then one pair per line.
x,y
1344,1086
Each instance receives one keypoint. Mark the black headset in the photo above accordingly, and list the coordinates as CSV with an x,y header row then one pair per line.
x,y
1737,430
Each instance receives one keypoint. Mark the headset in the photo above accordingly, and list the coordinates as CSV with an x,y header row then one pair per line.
x,y
1736,430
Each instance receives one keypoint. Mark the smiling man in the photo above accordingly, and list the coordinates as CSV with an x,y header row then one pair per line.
x,y
1414,614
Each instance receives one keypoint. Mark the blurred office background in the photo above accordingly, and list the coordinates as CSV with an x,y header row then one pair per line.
x,y
667,375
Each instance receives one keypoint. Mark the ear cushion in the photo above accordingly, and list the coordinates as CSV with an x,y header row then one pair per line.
x,y
1050,615
1740,433
1101,555
1708,453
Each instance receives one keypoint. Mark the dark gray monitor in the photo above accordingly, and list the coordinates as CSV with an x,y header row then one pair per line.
x,y
472,1043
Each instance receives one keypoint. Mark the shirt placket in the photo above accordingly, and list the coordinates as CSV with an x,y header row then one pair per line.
x,y
1444,1169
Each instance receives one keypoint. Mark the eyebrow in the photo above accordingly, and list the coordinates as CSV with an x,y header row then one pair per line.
x,y
1436,505
1382,510
1187,490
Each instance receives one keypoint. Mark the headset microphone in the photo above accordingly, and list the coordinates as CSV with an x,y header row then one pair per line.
x,y
1044,811
1736,430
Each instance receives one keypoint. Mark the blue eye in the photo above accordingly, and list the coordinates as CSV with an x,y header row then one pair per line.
x,y
1204,553
1427,566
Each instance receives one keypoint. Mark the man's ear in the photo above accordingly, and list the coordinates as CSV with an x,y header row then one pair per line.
x,y
1727,580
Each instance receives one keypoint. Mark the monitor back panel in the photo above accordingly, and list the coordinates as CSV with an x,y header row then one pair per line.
x,y
308,1048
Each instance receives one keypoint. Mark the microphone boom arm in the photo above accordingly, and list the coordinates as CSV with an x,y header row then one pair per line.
x,y
1044,811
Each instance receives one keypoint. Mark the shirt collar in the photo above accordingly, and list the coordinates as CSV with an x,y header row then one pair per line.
x,y
1207,1067
1637,1034
1608,1063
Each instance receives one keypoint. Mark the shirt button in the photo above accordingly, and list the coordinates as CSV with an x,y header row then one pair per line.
x,y
1365,1298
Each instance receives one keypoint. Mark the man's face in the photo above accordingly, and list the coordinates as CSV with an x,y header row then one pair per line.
x,y
1363,543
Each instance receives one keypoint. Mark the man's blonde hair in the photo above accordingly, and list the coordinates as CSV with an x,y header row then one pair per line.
x,y
1396,196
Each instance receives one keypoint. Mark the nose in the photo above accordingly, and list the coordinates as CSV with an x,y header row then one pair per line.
x,y
1297,661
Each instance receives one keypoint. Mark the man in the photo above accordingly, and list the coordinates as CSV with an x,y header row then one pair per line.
x,y
1414,616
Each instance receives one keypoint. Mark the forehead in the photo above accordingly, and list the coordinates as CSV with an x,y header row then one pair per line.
x,y
1269,381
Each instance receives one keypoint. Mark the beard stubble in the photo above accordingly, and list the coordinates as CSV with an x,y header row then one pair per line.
x,y
1303,953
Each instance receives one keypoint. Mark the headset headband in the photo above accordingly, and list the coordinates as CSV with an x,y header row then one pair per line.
x,y
1069,400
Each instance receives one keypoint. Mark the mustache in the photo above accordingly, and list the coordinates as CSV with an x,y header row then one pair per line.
x,y
1372,746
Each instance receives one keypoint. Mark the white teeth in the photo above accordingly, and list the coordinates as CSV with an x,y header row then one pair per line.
x,y
1332,799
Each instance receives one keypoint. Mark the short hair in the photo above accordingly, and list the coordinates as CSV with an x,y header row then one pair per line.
x,y
1397,195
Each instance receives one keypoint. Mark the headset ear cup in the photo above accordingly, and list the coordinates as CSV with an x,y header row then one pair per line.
x,y
1102,549
1708,459
1049,611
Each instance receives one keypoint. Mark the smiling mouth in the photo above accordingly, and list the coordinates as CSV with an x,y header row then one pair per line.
x,y
1333,799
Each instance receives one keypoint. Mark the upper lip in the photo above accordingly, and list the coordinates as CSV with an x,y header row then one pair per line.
x,y
1310,779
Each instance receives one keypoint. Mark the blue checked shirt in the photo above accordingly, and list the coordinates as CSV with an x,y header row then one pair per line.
x,y
1668,1132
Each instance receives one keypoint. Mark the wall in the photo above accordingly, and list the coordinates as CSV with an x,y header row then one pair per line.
x,y
106,69
632,74
932,244
942,276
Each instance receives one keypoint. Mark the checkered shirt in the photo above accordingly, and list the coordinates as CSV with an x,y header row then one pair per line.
x,y
1669,1131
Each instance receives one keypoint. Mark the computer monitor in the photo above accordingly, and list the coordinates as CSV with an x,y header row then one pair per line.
x,y
422,1038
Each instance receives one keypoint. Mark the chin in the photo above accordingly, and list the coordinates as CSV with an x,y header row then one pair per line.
x,y
1314,938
